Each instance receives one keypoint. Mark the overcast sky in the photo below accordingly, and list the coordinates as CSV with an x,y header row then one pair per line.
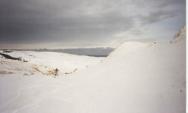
x,y
82,23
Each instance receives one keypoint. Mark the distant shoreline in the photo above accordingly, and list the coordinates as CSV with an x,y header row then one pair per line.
x,y
94,52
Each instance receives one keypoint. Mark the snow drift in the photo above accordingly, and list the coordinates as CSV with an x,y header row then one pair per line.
x,y
138,77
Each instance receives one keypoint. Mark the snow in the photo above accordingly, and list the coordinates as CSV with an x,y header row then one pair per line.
x,y
149,78
42,62
138,77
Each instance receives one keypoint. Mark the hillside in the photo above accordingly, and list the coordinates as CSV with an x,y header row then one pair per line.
x,y
138,77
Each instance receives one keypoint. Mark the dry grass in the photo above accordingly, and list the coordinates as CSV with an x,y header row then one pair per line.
x,y
46,71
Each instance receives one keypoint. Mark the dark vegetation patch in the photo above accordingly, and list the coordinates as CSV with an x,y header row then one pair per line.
x,y
5,72
12,58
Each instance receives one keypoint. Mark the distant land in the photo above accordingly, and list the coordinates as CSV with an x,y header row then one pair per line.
x,y
96,52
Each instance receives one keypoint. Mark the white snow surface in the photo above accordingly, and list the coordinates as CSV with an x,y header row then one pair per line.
x,y
138,77
42,62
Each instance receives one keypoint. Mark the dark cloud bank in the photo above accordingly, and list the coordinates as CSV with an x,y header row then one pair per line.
x,y
43,21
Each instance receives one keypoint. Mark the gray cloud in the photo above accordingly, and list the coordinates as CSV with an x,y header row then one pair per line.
x,y
26,21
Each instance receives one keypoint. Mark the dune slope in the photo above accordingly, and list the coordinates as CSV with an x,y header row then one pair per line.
x,y
138,77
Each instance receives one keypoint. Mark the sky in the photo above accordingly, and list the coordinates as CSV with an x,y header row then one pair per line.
x,y
87,23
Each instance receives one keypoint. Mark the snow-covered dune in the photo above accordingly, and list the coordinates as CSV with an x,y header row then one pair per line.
x,y
138,77
149,78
